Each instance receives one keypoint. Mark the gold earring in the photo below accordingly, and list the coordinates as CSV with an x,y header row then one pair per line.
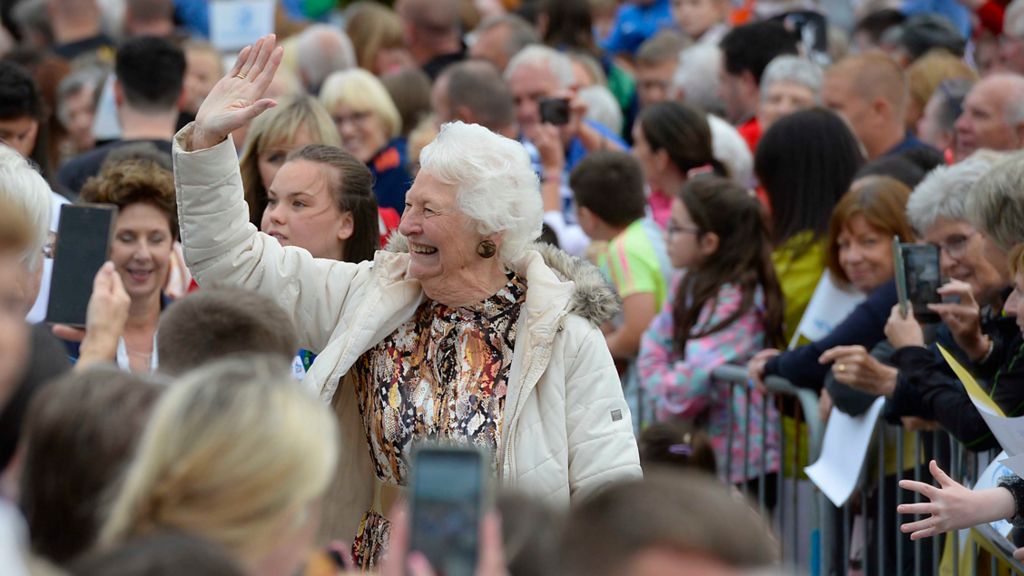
x,y
486,249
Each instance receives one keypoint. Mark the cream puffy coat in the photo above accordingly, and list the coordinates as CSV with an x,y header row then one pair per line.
x,y
566,431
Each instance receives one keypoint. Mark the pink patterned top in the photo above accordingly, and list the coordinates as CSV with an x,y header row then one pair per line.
x,y
685,390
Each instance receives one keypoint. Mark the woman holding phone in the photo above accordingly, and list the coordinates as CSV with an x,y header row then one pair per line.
x,y
144,234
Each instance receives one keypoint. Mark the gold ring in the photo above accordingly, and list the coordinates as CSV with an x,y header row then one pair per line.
x,y
240,75
841,367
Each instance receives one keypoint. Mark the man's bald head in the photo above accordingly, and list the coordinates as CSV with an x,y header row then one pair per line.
x,y
870,91
874,76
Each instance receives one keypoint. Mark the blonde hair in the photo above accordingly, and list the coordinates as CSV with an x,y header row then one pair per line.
x,y
279,125
930,70
361,91
23,189
233,452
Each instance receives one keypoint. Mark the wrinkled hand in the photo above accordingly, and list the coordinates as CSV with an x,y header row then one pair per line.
x,y
963,319
755,367
400,561
855,367
903,332
104,319
237,98
951,506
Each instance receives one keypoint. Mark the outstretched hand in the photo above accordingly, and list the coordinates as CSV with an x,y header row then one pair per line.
x,y
951,506
237,98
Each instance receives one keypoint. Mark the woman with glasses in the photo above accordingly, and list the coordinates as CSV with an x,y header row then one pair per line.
x,y
370,128
973,326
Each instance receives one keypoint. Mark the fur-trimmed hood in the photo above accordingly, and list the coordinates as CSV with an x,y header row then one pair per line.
x,y
593,298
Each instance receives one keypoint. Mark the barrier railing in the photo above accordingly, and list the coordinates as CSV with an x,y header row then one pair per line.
x,y
817,537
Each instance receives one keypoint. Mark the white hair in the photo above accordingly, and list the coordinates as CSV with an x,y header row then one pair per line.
x,y
788,68
943,192
696,77
497,187
729,148
602,107
554,61
996,203
23,187
320,50
1013,20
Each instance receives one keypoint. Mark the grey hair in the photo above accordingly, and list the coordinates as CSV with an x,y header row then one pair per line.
x,y
322,49
729,148
788,68
1013,20
539,55
88,78
497,187
23,187
996,203
602,107
696,77
1013,111
943,192
521,33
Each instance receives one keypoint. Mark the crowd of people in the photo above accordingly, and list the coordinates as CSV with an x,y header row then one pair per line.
x,y
533,227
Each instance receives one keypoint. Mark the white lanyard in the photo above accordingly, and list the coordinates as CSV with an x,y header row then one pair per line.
x,y
122,356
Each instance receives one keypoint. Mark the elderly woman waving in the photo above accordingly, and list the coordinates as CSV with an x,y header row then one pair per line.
x,y
470,336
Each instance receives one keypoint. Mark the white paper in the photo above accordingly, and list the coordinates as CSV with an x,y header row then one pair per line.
x,y
990,479
1014,463
237,23
829,306
843,452
1008,431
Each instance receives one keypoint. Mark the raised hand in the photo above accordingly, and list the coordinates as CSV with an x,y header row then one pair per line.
x,y
237,98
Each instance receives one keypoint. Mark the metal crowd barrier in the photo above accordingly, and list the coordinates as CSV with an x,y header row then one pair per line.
x,y
831,530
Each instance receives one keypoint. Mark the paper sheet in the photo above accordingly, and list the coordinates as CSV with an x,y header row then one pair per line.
x,y
1015,464
829,306
237,23
978,395
843,452
1008,431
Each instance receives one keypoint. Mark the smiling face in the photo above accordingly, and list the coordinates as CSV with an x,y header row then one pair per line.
x,y
865,254
442,240
301,211
962,257
141,250
272,157
362,132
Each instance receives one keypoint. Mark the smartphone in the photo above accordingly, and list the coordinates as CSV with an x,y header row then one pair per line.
x,y
83,245
448,497
554,111
923,279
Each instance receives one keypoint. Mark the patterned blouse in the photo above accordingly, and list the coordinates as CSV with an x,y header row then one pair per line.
x,y
443,374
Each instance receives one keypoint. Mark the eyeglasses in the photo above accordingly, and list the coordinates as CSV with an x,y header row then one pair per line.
x,y
956,245
672,229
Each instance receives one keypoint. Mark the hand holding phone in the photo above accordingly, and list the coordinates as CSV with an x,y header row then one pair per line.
x,y
83,245
921,278
402,562
554,111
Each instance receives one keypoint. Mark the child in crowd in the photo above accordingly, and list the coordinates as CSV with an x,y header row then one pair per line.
x,y
634,260
726,307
